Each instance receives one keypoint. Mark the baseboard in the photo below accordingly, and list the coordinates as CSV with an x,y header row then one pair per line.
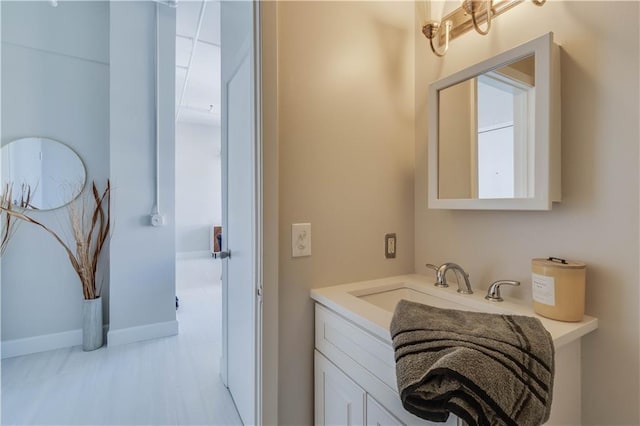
x,y
43,343
193,254
65,339
143,332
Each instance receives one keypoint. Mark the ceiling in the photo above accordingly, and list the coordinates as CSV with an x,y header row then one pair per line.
x,y
202,98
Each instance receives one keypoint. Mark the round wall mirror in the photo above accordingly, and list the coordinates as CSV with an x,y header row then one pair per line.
x,y
51,171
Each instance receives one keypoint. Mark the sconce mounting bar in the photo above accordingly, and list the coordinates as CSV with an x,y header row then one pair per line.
x,y
461,21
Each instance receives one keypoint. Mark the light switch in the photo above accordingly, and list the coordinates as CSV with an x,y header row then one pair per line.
x,y
300,239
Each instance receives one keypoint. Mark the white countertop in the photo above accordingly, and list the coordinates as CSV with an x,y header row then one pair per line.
x,y
344,300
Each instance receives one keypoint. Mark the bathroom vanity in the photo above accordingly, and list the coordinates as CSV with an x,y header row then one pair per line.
x,y
355,381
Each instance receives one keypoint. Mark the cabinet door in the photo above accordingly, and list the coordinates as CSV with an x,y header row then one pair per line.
x,y
338,400
378,416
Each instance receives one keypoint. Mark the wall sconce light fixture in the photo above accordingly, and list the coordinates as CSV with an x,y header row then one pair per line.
x,y
470,15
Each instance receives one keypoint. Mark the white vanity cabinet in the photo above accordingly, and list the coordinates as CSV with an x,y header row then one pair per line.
x,y
378,416
355,381
355,363
338,399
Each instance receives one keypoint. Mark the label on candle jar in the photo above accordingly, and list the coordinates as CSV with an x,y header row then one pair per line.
x,y
544,289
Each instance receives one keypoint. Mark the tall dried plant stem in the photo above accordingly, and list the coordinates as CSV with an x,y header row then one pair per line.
x,y
9,226
89,237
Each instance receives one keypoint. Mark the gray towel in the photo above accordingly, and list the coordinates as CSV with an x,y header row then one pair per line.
x,y
487,369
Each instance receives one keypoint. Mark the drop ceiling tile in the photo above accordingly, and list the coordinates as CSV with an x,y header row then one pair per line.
x,y
204,85
183,51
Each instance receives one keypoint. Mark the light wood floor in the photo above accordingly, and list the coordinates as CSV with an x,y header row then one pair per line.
x,y
169,381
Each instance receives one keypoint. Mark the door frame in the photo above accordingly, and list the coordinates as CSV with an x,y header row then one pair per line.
x,y
267,154
266,218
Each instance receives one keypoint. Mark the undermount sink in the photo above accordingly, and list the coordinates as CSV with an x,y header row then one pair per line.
x,y
388,299
388,295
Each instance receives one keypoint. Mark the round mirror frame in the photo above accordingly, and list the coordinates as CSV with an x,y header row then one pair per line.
x,y
73,194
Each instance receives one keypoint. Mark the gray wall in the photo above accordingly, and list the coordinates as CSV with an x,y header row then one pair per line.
x,y
597,221
55,83
142,257
83,73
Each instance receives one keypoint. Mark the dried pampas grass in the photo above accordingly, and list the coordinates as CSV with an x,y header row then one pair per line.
x,y
90,225
8,203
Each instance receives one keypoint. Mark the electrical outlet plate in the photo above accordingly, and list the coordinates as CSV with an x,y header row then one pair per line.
x,y
157,220
300,239
390,246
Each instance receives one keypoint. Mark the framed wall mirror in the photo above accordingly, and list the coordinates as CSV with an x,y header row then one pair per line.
x,y
494,132
53,173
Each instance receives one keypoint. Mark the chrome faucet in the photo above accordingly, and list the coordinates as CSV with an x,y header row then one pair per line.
x,y
442,278
438,282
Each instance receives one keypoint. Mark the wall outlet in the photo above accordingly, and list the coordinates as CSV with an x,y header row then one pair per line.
x,y
390,246
300,239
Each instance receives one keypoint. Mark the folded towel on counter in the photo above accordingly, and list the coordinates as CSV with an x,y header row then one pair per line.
x,y
487,369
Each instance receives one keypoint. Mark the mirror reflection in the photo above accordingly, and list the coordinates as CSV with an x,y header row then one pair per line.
x,y
486,134
52,171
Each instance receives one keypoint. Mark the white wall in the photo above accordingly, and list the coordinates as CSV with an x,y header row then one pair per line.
x,y
597,221
198,190
142,257
55,83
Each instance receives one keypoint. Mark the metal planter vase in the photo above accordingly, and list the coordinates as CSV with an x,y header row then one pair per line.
x,y
92,334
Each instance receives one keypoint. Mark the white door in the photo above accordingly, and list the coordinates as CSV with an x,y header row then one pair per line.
x,y
241,304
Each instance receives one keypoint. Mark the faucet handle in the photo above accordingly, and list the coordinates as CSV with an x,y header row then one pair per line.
x,y
493,294
431,266
439,281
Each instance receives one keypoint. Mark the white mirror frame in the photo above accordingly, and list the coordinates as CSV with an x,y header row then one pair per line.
x,y
547,129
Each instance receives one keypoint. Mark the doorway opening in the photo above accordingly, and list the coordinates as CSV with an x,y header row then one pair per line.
x,y
222,88
198,165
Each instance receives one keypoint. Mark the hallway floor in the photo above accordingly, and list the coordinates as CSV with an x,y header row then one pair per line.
x,y
168,381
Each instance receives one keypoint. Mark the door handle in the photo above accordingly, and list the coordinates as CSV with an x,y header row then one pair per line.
x,y
221,254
